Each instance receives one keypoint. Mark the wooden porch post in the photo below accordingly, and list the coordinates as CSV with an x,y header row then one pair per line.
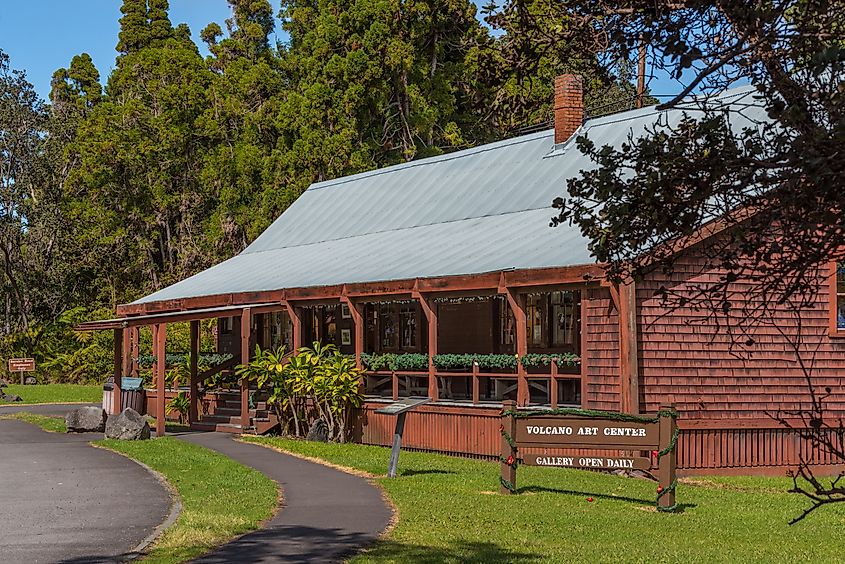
x,y
134,350
517,304
628,357
119,364
246,330
296,321
195,349
430,312
584,348
357,313
159,347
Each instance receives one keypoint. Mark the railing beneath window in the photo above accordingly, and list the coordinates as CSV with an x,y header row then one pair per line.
x,y
552,388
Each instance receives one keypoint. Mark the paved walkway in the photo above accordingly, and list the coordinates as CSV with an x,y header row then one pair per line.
x,y
62,500
326,515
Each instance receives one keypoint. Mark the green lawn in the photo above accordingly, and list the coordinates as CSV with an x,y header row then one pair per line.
x,y
52,424
57,393
449,511
221,498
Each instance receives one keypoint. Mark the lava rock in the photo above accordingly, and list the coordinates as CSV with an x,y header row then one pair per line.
x,y
3,382
318,432
86,420
30,381
129,425
10,397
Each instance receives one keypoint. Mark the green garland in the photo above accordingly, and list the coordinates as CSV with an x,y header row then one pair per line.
x,y
414,362
522,414
484,361
418,362
661,492
510,461
174,359
534,360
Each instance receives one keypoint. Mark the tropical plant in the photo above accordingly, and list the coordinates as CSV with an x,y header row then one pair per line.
x,y
180,403
316,383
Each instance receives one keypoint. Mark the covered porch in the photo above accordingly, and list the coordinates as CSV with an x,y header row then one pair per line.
x,y
467,342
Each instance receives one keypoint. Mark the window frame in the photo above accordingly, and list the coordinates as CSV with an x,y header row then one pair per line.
x,y
833,302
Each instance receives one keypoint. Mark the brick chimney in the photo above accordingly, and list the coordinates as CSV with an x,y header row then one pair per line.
x,y
569,106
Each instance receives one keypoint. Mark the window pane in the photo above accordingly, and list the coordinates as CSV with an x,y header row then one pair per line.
x,y
389,334
408,319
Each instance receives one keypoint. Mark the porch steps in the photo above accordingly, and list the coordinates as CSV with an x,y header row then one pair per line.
x,y
227,416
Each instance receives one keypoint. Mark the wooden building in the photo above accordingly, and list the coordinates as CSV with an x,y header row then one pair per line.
x,y
454,255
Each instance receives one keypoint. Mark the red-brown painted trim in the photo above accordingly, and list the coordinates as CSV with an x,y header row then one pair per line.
x,y
430,312
119,365
468,282
357,313
628,357
159,348
246,344
193,413
584,351
517,305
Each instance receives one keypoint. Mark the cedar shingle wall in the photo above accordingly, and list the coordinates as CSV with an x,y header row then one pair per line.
x,y
602,352
686,357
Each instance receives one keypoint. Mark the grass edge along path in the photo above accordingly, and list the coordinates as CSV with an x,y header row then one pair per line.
x,y
450,511
221,498
49,423
55,393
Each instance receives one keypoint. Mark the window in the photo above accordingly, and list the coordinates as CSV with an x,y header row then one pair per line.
x,y
392,326
281,330
553,320
507,325
563,319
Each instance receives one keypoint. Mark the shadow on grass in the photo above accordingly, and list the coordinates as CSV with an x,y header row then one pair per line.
x,y
418,472
464,552
290,543
634,500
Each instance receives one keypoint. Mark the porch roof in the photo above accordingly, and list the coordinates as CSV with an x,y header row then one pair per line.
x,y
173,317
475,211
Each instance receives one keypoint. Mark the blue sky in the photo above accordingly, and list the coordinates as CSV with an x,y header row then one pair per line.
x,y
41,36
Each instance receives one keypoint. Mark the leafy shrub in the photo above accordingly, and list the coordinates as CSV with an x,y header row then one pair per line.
x,y
315,383
181,403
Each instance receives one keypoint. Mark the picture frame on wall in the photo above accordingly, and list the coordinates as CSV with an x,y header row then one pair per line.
x,y
345,336
344,311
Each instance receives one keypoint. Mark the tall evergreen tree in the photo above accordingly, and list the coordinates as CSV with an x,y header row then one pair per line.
x,y
134,26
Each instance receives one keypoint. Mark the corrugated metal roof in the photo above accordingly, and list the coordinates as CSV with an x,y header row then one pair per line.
x,y
479,210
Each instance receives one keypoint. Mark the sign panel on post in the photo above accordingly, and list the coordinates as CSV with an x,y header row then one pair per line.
x,y
564,429
21,365
399,409
594,462
574,432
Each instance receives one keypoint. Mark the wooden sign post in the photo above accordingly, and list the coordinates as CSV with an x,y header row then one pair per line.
x,y
399,409
21,365
561,429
